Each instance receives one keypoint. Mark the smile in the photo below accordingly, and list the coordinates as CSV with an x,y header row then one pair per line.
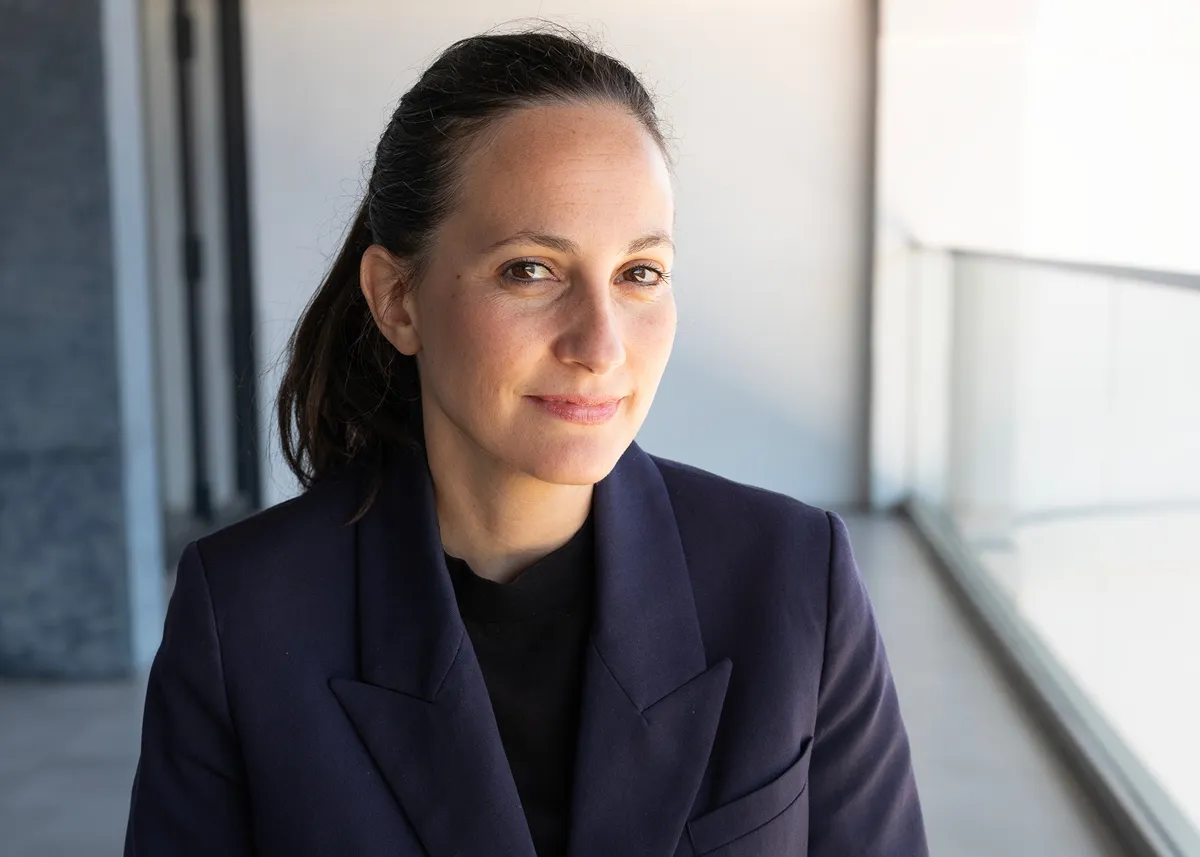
x,y
578,409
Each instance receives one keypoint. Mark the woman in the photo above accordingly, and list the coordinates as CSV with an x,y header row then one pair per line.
x,y
492,624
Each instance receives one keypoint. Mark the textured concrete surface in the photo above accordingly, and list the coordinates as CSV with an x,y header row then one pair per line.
x,y
63,589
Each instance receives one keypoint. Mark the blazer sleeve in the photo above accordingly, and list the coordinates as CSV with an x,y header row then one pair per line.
x,y
189,792
862,795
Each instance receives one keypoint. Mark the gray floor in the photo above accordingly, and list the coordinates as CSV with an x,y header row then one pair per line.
x,y
67,753
988,786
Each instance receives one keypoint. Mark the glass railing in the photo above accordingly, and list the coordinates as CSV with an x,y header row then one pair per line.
x,y
1055,459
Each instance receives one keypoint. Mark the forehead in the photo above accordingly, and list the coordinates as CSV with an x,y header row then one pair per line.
x,y
566,167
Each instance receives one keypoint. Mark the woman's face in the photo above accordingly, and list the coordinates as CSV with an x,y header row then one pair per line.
x,y
544,321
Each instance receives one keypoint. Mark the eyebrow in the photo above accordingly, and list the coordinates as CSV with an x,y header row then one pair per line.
x,y
566,245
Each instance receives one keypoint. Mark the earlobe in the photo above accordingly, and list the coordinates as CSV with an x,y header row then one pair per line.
x,y
381,278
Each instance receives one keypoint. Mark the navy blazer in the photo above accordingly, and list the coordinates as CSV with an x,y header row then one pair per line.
x,y
315,692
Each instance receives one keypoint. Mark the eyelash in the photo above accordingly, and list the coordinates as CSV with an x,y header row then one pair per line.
x,y
663,276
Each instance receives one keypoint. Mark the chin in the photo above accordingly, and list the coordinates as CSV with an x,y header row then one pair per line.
x,y
574,461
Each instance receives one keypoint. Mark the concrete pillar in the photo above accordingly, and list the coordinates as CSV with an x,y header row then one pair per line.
x,y
81,565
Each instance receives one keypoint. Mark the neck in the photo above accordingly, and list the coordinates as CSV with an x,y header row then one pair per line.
x,y
498,520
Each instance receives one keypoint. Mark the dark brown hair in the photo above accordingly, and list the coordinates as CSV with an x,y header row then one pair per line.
x,y
347,392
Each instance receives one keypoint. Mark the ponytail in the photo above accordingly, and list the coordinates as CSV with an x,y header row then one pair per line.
x,y
347,390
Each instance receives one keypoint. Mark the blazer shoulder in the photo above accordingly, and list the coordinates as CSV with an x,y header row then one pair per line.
x,y
695,491
751,551
295,531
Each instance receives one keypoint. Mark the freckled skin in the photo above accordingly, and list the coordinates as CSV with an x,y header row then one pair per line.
x,y
585,324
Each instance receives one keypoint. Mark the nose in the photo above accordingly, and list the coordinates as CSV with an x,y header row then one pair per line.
x,y
593,336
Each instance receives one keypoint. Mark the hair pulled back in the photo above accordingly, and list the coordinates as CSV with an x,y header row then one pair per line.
x,y
347,392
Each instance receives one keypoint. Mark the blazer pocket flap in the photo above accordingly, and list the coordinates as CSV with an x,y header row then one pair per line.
x,y
750,812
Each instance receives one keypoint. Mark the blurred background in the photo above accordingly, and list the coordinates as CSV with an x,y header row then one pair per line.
x,y
938,270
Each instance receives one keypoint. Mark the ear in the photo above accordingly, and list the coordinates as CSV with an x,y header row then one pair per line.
x,y
383,280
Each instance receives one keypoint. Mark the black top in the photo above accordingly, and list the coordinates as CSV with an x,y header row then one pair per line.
x,y
529,636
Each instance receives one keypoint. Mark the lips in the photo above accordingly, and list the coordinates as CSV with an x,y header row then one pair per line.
x,y
582,410
582,400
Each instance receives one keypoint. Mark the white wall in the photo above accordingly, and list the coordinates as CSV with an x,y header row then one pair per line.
x,y
768,100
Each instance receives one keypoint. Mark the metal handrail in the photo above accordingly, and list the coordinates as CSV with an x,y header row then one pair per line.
x,y
1176,279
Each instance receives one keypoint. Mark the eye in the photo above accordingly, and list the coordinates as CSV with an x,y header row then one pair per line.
x,y
526,271
646,275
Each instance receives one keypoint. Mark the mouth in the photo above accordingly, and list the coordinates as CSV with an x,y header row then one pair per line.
x,y
582,410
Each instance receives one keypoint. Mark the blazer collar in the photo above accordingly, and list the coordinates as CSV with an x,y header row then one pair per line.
x,y
650,701
410,628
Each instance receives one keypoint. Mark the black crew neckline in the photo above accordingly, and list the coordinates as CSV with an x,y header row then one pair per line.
x,y
557,580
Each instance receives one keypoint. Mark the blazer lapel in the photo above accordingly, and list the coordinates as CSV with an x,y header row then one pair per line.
x,y
421,707
651,702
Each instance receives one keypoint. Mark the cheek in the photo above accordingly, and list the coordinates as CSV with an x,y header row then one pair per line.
x,y
653,334
481,346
